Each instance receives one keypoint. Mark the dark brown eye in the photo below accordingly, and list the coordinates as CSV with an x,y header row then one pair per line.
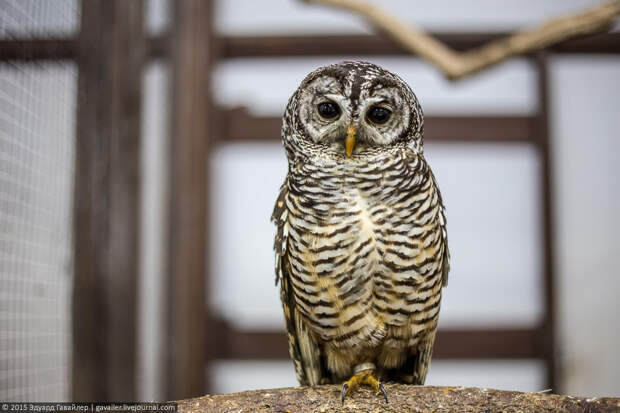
x,y
378,114
329,110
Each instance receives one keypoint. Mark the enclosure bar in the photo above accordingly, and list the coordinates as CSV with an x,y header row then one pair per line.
x,y
382,45
107,188
462,344
190,56
547,224
302,45
238,125
63,48
39,49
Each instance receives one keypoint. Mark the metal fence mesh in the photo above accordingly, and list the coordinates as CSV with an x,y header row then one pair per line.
x,y
37,140
38,18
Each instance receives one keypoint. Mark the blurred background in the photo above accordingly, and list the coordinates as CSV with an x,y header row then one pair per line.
x,y
140,161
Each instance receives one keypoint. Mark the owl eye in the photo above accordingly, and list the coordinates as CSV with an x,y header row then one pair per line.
x,y
329,110
378,114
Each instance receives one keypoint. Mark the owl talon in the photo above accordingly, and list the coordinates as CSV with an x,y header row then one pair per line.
x,y
383,391
364,377
343,393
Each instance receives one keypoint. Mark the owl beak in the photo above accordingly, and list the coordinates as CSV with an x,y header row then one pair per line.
x,y
349,142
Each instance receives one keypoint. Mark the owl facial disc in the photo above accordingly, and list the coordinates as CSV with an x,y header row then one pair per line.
x,y
352,108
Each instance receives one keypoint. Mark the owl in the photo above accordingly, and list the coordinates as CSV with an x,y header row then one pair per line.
x,y
361,244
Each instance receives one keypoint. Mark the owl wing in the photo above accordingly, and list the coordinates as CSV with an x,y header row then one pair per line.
x,y
415,367
303,348
444,235
417,162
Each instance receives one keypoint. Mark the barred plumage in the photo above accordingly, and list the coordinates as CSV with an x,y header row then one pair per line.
x,y
361,244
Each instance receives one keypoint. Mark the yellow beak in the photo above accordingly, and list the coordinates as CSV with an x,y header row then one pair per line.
x,y
349,142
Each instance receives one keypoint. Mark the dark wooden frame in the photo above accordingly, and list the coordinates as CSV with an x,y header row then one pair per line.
x,y
296,46
190,56
106,188
547,327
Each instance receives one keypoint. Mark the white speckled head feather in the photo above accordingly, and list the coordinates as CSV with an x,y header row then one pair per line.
x,y
355,87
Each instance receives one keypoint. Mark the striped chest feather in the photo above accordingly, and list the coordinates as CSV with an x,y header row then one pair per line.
x,y
365,251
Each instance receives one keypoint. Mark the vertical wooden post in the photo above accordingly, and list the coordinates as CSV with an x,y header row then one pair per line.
x,y
544,145
110,60
190,53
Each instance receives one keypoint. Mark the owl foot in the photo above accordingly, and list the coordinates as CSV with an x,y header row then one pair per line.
x,y
364,377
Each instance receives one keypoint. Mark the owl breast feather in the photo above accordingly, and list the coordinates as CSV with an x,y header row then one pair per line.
x,y
364,248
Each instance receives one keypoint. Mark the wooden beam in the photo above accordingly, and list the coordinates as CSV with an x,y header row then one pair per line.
x,y
503,343
187,295
546,218
462,344
39,49
490,129
603,43
64,49
296,46
381,45
237,125
107,188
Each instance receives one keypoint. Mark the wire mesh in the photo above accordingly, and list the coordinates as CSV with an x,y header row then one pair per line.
x,y
38,18
37,140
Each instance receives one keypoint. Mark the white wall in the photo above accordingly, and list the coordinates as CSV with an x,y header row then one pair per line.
x,y
491,193
584,125
586,145
151,321
251,17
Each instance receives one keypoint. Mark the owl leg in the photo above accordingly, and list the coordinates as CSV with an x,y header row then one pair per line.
x,y
364,374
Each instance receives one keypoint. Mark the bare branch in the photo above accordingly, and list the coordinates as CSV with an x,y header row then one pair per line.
x,y
456,65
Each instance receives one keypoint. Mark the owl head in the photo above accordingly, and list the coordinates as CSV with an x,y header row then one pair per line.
x,y
351,110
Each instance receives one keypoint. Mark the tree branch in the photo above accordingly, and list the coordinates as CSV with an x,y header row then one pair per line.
x,y
456,65
402,398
